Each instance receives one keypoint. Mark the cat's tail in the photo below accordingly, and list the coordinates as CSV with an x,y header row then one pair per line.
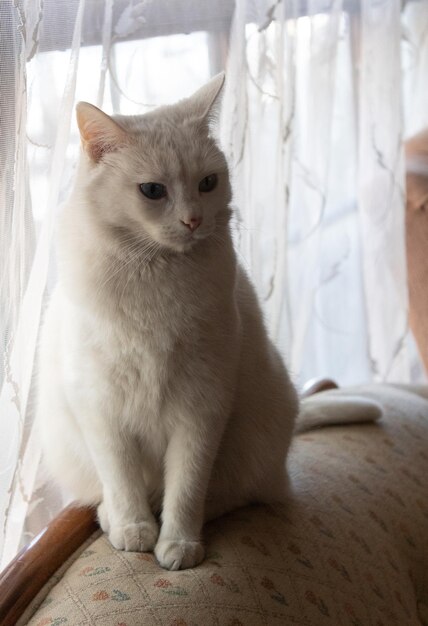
x,y
325,409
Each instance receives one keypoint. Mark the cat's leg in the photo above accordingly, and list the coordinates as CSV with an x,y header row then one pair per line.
x,y
228,491
189,459
124,513
251,464
65,454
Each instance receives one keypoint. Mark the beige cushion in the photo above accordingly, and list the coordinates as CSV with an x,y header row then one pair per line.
x,y
349,548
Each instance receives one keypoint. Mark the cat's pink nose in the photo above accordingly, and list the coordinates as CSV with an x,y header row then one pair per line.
x,y
192,222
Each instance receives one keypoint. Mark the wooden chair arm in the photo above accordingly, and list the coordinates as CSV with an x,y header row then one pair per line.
x,y
31,569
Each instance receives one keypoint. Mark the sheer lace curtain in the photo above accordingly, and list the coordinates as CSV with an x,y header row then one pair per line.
x,y
314,127
320,94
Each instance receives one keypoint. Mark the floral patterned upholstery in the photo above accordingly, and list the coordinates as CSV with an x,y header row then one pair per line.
x,y
349,548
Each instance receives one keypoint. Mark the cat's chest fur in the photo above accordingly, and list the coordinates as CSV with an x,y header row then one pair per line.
x,y
151,330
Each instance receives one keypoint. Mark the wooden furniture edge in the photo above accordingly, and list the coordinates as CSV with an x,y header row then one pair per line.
x,y
36,563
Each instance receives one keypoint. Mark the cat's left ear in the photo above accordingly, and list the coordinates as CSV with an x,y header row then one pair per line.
x,y
207,100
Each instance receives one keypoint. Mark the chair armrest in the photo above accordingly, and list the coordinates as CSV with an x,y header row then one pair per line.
x,y
31,569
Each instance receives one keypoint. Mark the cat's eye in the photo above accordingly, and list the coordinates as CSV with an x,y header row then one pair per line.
x,y
208,183
153,191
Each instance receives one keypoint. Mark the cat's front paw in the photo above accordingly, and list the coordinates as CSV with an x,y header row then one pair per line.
x,y
135,537
179,553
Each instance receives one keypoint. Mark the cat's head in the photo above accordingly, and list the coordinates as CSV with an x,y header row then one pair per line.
x,y
160,176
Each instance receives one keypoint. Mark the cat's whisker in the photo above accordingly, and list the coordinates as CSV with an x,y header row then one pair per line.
x,y
218,239
132,273
138,248
117,266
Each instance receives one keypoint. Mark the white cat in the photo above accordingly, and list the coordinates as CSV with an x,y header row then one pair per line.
x,y
159,390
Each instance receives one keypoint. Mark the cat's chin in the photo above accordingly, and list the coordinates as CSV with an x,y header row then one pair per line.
x,y
184,246
187,244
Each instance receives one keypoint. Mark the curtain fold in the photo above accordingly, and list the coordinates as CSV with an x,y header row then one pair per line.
x,y
314,125
319,97
382,192
20,358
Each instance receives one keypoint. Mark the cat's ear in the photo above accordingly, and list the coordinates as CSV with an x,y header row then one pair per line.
x,y
99,132
206,102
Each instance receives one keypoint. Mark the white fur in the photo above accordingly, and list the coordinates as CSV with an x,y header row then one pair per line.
x,y
159,390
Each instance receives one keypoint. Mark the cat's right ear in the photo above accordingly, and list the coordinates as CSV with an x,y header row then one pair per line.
x,y
99,132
